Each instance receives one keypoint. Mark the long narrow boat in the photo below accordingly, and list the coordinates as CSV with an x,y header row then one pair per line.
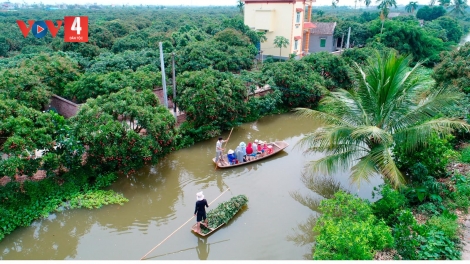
x,y
193,228
277,146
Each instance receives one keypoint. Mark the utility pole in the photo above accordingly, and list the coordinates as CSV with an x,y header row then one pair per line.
x,y
349,34
165,97
342,40
174,82
261,55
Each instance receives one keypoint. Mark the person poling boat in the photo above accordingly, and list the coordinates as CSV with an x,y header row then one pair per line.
x,y
220,215
200,211
219,151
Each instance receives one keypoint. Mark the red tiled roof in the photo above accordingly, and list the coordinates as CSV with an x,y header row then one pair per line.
x,y
297,37
299,9
308,25
271,1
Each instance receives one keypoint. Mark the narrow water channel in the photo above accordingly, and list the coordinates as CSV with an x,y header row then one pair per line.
x,y
162,198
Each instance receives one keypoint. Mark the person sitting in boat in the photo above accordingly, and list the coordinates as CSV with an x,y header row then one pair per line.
x,y
239,154
260,147
243,147
232,158
255,146
263,148
250,151
200,211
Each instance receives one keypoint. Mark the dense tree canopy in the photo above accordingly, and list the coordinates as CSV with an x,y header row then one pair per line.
x,y
124,130
429,13
334,69
303,88
211,98
454,70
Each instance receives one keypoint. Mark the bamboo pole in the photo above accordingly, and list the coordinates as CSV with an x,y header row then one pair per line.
x,y
224,147
186,249
179,227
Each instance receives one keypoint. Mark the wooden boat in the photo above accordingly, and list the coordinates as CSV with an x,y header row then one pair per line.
x,y
193,228
277,146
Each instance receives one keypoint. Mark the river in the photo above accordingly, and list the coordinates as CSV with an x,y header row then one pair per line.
x,y
162,198
464,40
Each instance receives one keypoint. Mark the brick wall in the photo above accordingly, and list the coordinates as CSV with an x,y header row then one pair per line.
x,y
63,106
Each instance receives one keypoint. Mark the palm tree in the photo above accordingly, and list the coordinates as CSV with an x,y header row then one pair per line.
x,y
411,7
458,7
280,42
432,2
367,2
444,3
334,3
240,6
385,6
386,109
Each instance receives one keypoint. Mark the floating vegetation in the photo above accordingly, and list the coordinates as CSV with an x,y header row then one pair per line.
x,y
95,199
224,212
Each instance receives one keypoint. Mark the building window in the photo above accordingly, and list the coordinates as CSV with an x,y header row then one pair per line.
x,y
323,42
298,18
296,44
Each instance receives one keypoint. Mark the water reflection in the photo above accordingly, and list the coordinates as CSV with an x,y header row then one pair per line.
x,y
323,187
202,248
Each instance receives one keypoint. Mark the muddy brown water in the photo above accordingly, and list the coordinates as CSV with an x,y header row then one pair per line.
x,y
162,198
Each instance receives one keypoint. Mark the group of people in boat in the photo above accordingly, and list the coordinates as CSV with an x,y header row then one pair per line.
x,y
243,152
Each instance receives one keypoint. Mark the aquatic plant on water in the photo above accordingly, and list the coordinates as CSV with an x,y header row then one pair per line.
x,y
224,212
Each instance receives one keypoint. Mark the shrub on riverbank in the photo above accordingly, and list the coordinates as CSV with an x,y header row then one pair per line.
x,y
423,229
22,203
349,230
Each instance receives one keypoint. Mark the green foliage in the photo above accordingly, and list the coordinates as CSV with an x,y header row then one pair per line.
x,y
219,55
124,130
359,31
224,212
377,115
461,195
429,13
454,70
465,155
334,69
434,155
437,246
452,28
406,233
39,198
95,199
409,37
391,203
211,99
348,230
92,85
447,223
302,89
361,55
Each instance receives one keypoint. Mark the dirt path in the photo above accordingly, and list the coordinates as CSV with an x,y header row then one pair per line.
x,y
466,239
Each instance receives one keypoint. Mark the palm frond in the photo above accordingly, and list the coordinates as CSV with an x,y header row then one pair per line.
x,y
363,170
334,162
372,134
321,117
416,136
382,157
427,108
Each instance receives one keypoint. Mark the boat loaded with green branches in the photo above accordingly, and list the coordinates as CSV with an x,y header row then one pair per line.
x,y
221,215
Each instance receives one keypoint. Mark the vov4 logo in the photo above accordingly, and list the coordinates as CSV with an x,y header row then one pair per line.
x,y
75,28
